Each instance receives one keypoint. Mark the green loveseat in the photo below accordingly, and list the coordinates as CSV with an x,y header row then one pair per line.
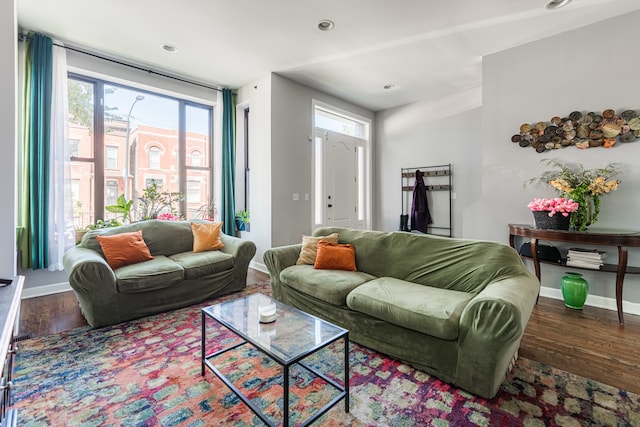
x,y
175,277
454,308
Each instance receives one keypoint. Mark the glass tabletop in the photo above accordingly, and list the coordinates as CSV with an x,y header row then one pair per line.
x,y
294,333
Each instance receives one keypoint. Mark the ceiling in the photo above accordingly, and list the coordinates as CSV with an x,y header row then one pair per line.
x,y
428,50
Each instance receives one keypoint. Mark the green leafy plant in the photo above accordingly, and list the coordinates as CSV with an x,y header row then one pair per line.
x,y
584,186
208,212
153,202
243,216
149,205
122,207
99,224
242,219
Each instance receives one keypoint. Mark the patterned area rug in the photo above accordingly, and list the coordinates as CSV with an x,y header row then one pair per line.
x,y
147,373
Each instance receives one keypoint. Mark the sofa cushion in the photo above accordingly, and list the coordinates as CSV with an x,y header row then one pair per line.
x,y
443,262
162,237
206,236
199,264
124,249
158,273
331,286
309,248
432,311
335,256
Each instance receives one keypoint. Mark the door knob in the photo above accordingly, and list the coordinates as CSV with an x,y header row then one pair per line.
x,y
329,206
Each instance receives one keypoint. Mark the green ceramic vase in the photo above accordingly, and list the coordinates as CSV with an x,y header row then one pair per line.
x,y
574,290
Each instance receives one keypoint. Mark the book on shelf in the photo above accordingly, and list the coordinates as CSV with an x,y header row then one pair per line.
x,y
582,264
587,251
585,258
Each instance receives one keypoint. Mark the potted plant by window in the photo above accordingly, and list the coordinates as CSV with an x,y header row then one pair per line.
x,y
79,233
99,224
242,219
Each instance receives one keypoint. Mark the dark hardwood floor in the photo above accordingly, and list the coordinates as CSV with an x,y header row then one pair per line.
x,y
590,343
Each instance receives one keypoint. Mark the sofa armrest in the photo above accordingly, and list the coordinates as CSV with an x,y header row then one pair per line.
x,y
242,251
239,248
276,260
490,330
88,271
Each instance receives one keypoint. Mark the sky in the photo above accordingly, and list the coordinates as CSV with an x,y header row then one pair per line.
x,y
154,110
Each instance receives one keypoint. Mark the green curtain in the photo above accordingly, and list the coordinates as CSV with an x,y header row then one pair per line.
x,y
39,56
24,231
228,162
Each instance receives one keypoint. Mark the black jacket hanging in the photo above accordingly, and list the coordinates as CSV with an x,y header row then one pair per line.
x,y
420,216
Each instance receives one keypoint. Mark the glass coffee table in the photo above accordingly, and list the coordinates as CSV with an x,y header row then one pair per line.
x,y
293,336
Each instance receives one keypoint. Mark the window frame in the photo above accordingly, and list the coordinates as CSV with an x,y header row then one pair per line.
x,y
99,155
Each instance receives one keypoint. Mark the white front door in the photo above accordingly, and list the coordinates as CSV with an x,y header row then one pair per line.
x,y
340,180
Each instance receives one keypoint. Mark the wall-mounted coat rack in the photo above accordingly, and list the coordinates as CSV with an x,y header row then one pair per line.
x,y
439,186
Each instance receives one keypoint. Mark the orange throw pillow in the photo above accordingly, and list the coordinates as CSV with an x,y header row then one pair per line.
x,y
309,247
124,249
335,256
206,236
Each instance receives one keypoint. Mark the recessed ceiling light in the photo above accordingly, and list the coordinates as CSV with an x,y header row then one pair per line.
x,y
326,25
557,4
169,48
389,86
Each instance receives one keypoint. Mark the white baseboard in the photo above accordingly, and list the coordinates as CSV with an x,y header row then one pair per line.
x,y
595,301
40,291
258,266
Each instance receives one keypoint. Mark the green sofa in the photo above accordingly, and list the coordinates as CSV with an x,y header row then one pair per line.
x,y
454,308
176,277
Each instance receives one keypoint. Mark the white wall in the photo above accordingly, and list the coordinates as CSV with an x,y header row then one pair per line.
x,y
8,135
291,128
424,134
257,96
280,158
589,69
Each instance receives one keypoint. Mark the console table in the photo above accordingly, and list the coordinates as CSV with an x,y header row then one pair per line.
x,y
10,294
622,240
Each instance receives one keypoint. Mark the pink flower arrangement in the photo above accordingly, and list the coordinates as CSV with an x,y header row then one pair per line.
x,y
558,204
166,216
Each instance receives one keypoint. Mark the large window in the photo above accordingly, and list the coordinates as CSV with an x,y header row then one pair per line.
x,y
122,140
